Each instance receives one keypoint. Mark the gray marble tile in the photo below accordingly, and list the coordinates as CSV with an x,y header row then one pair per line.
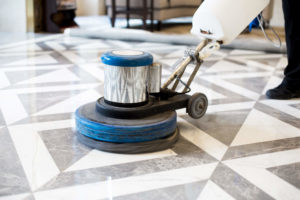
x,y
296,106
256,84
63,146
188,155
222,125
59,57
65,83
268,61
29,197
18,76
262,148
35,102
235,99
180,192
45,118
8,58
289,173
278,114
12,176
221,90
83,75
236,185
2,121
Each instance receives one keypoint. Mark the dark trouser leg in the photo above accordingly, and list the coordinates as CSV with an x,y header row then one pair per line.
x,y
291,10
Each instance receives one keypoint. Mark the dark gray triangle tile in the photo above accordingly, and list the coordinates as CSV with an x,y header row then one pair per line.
x,y
29,197
63,146
221,90
290,173
222,125
188,155
12,177
18,76
262,148
289,119
267,61
34,102
2,121
83,75
296,106
60,58
256,84
188,191
237,186
207,64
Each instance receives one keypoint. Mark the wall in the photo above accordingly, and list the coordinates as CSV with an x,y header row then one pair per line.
x,y
13,16
277,19
90,7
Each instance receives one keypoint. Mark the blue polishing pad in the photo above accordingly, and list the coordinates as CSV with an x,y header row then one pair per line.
x,y
94,125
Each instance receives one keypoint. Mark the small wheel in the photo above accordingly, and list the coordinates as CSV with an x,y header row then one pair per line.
x,y
197,105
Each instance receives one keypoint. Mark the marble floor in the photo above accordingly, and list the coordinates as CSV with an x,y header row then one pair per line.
x,y
245,147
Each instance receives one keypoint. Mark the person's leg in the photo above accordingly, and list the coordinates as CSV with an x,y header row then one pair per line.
x,y
290,86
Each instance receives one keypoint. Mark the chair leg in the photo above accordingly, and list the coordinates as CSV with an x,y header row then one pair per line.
x,y
145,15
113,13
152,14
127,13
159,25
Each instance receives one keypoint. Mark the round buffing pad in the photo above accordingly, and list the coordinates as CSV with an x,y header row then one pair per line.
x,y
96,126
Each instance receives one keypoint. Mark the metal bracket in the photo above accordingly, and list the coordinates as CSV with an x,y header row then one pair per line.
x,y
196,57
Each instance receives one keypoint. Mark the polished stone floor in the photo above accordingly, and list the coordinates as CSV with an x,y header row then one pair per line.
x,y
245,147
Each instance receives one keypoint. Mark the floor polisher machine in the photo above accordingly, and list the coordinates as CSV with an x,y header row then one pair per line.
x,y
137,114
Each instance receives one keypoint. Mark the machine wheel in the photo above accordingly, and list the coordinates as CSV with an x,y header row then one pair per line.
x,y
197,105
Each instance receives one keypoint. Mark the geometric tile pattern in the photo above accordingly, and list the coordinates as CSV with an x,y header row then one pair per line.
x,y
245,147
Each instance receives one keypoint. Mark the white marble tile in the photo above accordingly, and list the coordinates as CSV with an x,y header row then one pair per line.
x,y
273,82
15,197
73,57
71,104
212,191
260,127
225,66
243,52
96,158
62,75
22,48
49,89
211,94
94,45
283,106
254,170
201,139
232,87
130,185
34,67
55,46
4,82
37,60
94,70
37,162
12,108
230,107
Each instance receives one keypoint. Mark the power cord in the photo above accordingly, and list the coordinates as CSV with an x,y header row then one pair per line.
x,y
260,21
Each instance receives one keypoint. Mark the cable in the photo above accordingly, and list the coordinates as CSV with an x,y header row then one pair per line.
x,y
260,19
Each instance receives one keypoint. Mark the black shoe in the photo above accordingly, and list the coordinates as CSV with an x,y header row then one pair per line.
x,y
283,92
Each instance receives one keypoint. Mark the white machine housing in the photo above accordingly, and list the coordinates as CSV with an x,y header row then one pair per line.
x,y
224,20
